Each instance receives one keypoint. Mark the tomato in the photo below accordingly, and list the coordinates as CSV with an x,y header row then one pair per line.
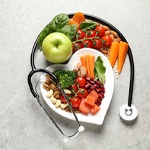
x,y
107,40
74,88
100,31
62,98
75,101
82,93
97,44
77,46
81,81
90,33
88,43
80,34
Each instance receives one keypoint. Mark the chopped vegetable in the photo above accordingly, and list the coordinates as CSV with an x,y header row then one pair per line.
x,y
123,49
113,55
94,109
66,78
99,70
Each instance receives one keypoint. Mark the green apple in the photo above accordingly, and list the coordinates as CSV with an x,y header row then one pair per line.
x,y
57,47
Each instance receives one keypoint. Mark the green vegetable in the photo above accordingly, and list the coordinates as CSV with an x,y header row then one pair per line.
x,y
59,21
58,24
88,25
99,70
69,30
66,78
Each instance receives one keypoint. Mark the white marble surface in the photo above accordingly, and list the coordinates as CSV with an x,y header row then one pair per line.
x,y
23,124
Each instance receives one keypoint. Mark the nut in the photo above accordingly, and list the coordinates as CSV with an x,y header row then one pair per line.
x,y
63,106
58,103
53,100
49,93
67,91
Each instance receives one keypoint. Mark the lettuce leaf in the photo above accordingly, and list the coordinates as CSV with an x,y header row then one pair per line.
x,y
99,70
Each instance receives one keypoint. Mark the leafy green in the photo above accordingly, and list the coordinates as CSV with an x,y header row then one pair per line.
x,y
66,78
99,70
59,21
45,32
88,25
58,24
69,30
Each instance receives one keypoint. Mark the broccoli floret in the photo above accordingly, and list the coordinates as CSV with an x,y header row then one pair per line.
x,y
66,78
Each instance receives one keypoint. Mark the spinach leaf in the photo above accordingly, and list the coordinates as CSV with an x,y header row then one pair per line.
x,y
88,25
99,70
69,30
60,21
46,31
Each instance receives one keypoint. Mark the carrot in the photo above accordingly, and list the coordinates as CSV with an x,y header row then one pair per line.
x,y
88,65
123,49
114,50
92,62
79,17
83,61
94,109
71,21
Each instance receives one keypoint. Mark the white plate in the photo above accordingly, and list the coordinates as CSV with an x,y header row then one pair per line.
x,y
98,118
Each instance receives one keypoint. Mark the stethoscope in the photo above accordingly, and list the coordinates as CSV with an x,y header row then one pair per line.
x,y
128,112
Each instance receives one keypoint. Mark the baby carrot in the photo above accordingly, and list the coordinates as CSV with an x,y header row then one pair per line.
x,y
123,49
114,50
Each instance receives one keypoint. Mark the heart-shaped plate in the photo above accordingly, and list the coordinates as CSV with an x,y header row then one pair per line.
x,y
98,118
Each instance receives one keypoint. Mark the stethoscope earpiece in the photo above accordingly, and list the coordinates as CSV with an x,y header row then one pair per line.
x,y
128,113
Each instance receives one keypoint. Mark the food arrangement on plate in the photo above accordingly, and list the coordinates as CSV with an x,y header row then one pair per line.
x,y
88,50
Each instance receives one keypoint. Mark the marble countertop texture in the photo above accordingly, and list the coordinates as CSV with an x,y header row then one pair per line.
x,y
23,123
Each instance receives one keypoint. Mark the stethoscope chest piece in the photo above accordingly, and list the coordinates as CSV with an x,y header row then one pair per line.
x,y
128,113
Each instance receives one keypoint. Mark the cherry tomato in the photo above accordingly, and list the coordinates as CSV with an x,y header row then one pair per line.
x,y
77,46
97,44
107,40
80,34
81,81
74,88
100,31
82,93
90,33
88,43
75,101
62,98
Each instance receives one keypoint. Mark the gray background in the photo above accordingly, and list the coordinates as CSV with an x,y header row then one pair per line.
x,y
23,124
